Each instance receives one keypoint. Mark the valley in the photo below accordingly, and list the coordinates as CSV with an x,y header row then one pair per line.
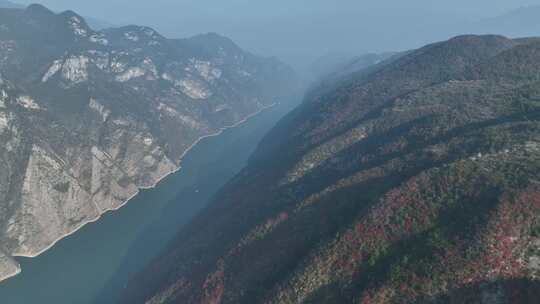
x,y
92,265
137,168
411,181
96,116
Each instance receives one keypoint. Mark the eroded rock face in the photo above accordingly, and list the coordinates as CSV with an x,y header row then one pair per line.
x,y
104,114
9,266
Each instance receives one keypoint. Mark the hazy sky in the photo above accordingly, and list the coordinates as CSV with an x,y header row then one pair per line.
x,y
299,30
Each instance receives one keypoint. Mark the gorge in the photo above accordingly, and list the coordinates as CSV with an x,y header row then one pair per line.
x,y
93,265
141,169
95,116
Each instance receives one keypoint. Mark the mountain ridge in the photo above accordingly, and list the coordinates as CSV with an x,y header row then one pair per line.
x,y
90,117
9,4
415,181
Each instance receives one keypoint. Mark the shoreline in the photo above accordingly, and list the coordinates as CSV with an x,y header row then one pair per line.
x,y
102,213
9,276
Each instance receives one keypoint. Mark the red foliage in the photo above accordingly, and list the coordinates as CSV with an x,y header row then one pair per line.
x,y
214,286
503,240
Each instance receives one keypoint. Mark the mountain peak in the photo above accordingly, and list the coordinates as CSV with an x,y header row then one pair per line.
x,y
215,40
38,9
474,39
69,14
164,95
142,31
76,23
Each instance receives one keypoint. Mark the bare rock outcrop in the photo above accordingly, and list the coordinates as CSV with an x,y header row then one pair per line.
x,y
88,118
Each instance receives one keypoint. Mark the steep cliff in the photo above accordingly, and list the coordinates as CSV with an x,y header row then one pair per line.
x,y
87,118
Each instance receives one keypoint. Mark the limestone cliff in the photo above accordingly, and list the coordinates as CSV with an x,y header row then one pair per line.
x,y
87,118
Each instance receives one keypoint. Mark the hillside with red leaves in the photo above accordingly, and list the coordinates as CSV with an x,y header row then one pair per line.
x,y
414,181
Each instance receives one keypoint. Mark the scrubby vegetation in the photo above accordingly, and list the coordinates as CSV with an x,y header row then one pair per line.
x,y
415,182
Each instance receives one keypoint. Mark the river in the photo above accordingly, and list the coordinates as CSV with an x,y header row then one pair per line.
x,y
92,265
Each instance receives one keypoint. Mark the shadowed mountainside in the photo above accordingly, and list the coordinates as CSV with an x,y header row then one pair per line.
x,y
414,181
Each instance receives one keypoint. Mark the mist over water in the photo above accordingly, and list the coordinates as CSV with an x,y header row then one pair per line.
x,y
300,31
296,31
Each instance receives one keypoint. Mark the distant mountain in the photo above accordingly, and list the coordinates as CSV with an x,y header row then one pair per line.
x,y
94,23
329,63
335,64
414,181
87,117
98,24
9,4
522,22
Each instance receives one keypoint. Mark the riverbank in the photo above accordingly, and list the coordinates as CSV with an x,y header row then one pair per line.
x,y
15,269
93,265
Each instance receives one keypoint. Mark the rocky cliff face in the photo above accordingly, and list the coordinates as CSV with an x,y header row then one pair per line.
x,y
88,118
415,181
